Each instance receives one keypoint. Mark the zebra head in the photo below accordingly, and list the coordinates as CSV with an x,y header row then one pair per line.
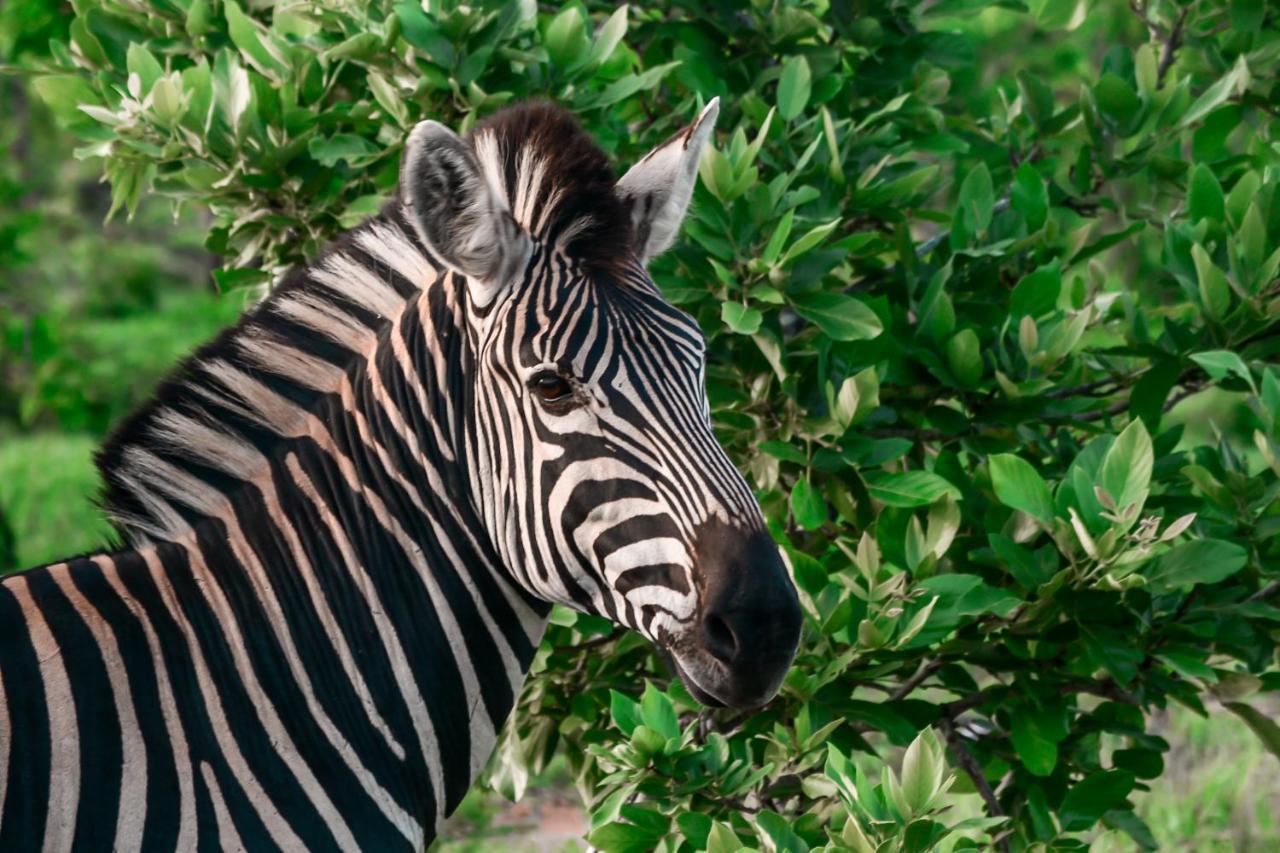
x,y
589,443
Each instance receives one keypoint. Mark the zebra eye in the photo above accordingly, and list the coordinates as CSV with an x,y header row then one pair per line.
x,y
551,388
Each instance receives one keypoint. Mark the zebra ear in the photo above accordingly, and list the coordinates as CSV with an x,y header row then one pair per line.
x,y
462,219
658,188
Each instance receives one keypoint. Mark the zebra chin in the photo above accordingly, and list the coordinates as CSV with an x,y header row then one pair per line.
x,y
717,686
739,649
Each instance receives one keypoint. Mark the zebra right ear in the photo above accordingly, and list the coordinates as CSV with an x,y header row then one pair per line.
x,y
458,214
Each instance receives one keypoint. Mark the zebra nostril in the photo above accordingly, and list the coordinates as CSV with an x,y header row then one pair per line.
x,y
721,641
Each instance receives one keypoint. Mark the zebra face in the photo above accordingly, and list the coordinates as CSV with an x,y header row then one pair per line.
x,y
596,469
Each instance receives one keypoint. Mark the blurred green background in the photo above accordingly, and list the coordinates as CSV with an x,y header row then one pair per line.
x,y
92,315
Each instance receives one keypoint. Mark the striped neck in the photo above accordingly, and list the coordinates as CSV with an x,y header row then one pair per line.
x,y
308,470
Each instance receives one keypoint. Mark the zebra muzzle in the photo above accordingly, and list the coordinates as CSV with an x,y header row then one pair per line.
x,y
740,648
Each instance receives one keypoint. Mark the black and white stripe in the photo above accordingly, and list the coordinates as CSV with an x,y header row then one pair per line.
x,y
350,513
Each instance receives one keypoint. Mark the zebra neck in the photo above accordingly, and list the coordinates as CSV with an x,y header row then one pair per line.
x,y
311,461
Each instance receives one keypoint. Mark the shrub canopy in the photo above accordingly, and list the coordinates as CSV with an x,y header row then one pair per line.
x,y
992,299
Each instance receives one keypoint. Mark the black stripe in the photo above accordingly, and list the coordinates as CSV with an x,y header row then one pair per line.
x,y
27,792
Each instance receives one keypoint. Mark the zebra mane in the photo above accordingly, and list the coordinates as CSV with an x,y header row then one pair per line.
x,y
215,421
559,185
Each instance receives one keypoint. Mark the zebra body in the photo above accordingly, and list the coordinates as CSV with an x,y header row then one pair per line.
x,y
351,513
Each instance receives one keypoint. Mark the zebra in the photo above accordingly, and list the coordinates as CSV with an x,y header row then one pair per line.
x,y
348,517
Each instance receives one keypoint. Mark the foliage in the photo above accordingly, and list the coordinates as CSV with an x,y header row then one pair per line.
x,y
992,300
38,476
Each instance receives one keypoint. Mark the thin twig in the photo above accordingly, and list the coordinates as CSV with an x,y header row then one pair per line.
x,y
937,239
1106,689
904,690
1171,44
1266,592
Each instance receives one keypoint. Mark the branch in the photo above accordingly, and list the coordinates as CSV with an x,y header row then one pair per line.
x,y
1266,592
937,239
1107,689
1171,44
615,634
916,680
971,766
1172,40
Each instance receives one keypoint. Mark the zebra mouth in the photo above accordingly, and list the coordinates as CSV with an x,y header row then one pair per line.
x,y
696,690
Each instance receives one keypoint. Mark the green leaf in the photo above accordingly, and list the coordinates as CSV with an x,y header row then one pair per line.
x,y
722,839
611,32
388,98
1126,469
423,34
64,94
908,488
198,18
1220,364
1247,16
1037,293
1018,485
812,238
1092,797
1145,70
842,317
964,357
1029,196
1146,400
922,770
1037,97
657,712
807,505
142,63
1217,93
623,838
1038,753
1198,561
355,150
566,39
1204,196
777,830
228,280
779,237
1117,100
974,205
625,712
246,35
740,318
793,87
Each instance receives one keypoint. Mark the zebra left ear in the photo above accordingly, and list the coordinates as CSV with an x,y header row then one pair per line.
x,y
658,188
462,219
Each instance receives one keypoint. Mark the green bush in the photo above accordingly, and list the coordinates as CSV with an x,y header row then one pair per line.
x,y
992,300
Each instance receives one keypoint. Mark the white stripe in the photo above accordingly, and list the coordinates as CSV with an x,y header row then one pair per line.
x,y
131,818
228,838
388,244
325,318
279,357
353,280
